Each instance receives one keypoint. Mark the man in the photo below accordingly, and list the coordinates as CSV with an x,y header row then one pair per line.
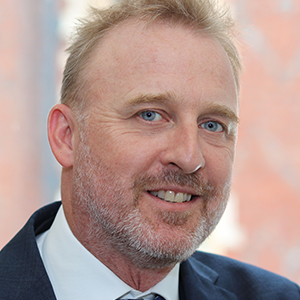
x,y
145,134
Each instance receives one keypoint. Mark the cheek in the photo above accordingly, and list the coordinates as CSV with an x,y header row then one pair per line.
x,y
126,154
219,164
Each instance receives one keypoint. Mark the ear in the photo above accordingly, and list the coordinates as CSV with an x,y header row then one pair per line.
x,y
61,126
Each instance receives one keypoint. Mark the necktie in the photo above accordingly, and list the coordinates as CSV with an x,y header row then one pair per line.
x,y
156,298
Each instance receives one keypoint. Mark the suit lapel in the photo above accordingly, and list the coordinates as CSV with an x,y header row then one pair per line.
x,y
197,281
21,265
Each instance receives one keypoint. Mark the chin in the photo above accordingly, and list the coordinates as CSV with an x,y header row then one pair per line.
x,y
152,249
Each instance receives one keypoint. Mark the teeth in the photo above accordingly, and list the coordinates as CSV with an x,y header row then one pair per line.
x,y
171,196
179,197
161,194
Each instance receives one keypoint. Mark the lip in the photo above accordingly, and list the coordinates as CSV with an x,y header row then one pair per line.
x,y
176,189
173,206
174,194
171,196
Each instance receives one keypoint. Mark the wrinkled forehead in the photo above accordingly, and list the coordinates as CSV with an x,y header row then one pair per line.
x,y
133,40
134,52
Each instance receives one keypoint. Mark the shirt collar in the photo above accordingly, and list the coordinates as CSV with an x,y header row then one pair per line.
x,y
76,274
167,288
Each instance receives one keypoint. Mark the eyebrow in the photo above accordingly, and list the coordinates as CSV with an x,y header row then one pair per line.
x,y
169,97
222,111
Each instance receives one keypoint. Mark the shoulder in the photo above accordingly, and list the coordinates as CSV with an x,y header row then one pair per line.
x,y
246,280
21,267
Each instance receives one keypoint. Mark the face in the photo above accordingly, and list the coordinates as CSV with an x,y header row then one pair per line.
x,y
153,161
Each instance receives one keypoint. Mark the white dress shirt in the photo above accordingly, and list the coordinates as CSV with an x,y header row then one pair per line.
x,y
76,274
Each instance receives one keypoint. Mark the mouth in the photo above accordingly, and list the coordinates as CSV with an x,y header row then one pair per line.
x,y
171,196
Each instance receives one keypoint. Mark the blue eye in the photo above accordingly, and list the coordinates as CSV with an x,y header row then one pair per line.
x,y
212,126
150,115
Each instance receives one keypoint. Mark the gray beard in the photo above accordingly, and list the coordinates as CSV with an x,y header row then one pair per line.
x,y
124,229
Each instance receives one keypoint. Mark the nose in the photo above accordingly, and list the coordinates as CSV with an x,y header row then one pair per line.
x,y
184,150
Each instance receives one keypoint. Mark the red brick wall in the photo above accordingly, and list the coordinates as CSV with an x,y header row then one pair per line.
x,y
267,166
25,67
19,152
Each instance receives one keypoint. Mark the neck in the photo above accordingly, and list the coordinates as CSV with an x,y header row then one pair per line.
x,y
139,278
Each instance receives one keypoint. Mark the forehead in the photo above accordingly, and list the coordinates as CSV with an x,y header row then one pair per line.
x,y
138,57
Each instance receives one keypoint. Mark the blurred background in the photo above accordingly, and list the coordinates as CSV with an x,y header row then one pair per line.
x,y
262,223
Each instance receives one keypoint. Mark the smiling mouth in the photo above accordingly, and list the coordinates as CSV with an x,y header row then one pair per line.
x,y
171,196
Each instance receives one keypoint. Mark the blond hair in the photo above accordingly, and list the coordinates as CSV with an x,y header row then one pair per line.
x,y
207,16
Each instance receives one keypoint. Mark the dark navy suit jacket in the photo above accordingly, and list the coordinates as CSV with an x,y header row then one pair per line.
x,y
203,276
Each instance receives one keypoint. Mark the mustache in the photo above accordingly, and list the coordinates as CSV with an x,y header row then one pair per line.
x,y
175,177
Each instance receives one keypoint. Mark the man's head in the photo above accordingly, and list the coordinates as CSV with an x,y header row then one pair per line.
x,y
147,170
